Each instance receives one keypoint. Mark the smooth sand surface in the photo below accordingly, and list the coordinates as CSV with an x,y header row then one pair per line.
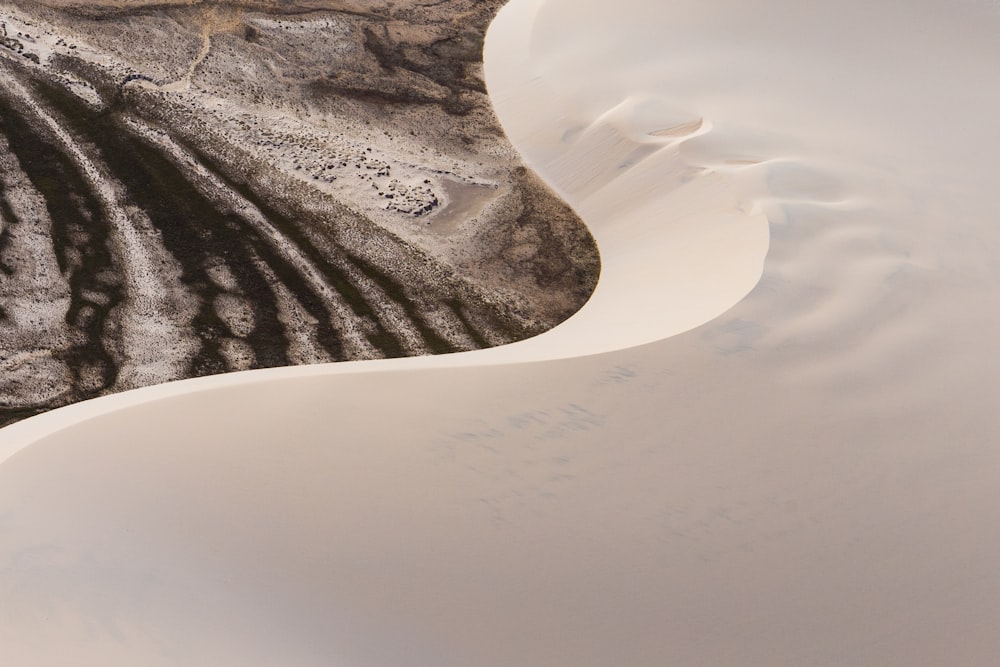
x,y
806,476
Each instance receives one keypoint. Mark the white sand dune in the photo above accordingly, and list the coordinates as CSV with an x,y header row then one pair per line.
x,y
678,475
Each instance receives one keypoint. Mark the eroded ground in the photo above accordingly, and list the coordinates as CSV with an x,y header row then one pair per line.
x,y
195,188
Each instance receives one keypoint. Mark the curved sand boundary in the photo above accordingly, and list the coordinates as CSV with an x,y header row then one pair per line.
x,y
809,479
681,241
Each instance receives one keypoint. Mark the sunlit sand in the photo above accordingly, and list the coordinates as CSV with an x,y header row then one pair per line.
x,y
768,439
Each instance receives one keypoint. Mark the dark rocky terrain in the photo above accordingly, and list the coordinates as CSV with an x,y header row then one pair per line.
x,y
189,188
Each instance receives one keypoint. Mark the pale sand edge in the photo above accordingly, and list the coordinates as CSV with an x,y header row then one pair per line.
x,y
718,263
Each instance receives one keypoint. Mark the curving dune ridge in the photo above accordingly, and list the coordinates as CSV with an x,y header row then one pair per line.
x,y
191,190
808,478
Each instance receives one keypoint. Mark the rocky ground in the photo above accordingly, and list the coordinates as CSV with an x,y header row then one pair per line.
x,y
189,188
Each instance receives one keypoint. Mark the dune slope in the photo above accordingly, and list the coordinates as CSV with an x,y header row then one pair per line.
x,y
808,478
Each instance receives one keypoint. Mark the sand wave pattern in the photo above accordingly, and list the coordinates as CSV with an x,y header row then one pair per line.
x,y
768,438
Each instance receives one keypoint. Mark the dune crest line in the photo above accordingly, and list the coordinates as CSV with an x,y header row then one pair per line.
x,y
806,477
250,186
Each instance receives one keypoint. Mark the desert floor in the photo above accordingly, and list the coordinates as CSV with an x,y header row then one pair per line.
x,y
768,438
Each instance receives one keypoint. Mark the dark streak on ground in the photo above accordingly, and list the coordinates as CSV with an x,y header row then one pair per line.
x,y
80,238
414,66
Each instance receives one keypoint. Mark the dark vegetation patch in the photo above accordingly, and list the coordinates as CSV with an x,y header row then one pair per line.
x,y
382,339
197,233
8,218
80,237
425,79
301,225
